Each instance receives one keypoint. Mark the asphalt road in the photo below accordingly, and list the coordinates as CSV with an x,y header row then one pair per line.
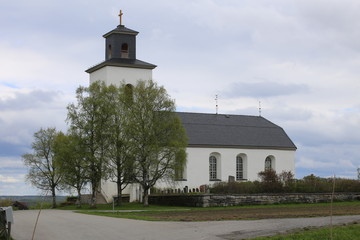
x,y
67,225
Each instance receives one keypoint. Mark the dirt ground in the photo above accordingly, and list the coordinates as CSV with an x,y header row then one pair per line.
x,y
254,213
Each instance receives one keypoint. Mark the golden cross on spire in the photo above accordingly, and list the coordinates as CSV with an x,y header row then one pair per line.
x,y
120,15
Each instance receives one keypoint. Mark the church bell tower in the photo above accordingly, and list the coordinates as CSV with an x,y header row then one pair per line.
x,y
120,59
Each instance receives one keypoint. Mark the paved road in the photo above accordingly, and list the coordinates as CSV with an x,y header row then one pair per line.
x,y
67,225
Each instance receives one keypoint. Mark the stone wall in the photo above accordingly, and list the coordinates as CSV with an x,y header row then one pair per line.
x,y
217,200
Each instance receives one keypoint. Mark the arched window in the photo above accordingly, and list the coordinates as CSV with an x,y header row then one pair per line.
x,y
268,164
213,167
109,51
124,50
129,93
239,168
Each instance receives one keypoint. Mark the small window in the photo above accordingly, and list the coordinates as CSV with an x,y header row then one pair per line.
x,y
268,164
239,168
213,168
125,51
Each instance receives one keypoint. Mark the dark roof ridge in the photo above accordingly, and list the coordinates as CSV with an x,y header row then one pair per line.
x,y
234,125
223,114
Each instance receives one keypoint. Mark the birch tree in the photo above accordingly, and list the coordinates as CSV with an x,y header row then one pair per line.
x,y
158,139
120,159
90,118
43,172
70,157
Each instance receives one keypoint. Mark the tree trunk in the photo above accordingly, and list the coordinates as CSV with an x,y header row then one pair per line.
x,y
93,197
53,197
146,197
79,198
119,195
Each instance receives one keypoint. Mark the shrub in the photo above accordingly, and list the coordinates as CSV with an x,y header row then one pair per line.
x,y
235,187
270,182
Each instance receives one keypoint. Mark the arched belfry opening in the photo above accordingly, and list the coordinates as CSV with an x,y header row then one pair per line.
x,y
124,50
109,53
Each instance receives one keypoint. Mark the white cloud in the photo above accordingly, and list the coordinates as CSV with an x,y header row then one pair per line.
x,y
263,89
9,179
300,59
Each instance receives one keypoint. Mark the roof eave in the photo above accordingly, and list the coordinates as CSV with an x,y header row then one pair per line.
x,y
114,64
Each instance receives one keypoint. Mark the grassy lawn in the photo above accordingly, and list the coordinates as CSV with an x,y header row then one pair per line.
x,y
125,206
139,206
171,213
350,232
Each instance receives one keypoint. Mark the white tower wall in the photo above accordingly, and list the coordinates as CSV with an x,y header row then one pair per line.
x,y
116,75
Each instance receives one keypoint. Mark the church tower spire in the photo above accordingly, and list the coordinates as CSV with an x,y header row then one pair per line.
x,y
120,42
120,62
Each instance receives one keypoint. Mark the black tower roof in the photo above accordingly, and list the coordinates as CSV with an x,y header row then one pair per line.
x,y
120,50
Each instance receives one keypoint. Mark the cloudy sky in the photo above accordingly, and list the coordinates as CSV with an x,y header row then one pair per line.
x,y
301,59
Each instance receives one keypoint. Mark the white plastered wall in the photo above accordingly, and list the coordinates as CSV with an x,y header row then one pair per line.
x,y
115,75
197,168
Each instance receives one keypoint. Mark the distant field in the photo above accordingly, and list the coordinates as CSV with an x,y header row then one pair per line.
x,y
33,200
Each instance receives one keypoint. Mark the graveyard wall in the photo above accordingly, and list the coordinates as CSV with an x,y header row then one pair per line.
x,y
217,200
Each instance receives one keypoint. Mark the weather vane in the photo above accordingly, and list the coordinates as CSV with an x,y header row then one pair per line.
x,y
120,15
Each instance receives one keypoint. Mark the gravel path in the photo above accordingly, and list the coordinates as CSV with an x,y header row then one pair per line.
x,y
66,225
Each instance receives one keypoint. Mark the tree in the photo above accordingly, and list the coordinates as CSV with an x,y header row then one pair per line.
x,y
43,172
158,139
70,157
90,118
287,180
120,160
270,181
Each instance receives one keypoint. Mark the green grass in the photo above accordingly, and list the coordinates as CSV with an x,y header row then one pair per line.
x,y
125,206
41,205
156,208
127,215
351,232
139,206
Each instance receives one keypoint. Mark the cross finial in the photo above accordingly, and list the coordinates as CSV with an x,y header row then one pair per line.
x,y
259,108
216,100
120,15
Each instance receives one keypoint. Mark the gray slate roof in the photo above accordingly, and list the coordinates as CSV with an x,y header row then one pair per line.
x,y
121,29
122,62
220,130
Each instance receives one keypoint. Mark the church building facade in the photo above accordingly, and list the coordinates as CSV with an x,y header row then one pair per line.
x,y
220,145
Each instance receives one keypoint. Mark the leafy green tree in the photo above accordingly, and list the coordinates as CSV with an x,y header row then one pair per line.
x,y
70,157
158,139
270,181
43,172
120,159
90,118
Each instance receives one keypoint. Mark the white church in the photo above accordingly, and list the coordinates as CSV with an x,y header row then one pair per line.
x,y
219,145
